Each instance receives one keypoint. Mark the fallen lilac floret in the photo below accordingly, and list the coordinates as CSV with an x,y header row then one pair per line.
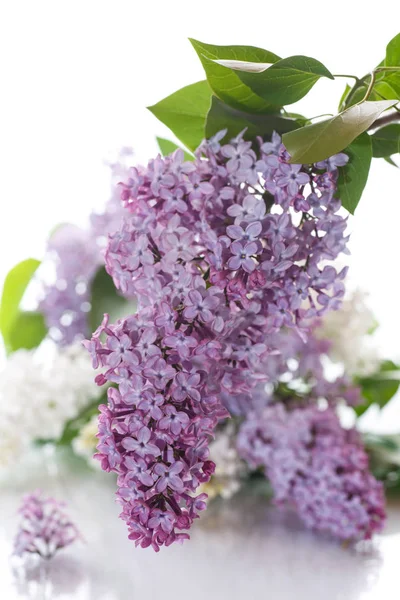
x,y
44,528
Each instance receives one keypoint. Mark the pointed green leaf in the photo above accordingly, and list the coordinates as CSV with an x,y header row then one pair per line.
x,y
354,176
168,147
185,111
221,116
386,141
342,101
27,331
14,287
318,141
393,52
287,80
225,82
389,87
388,82
389,160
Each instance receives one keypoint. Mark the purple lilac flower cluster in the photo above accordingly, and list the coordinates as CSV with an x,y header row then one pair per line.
x,y
235,240
75,254
316,466
44,527
222,253
154,433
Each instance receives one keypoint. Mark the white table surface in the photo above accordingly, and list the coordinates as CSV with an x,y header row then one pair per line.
x,y
242,549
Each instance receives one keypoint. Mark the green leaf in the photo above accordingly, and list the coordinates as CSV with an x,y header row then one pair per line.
x,y
168,147
318,141
221,116
106,299
342,101
287,80
354,176
359,95
27,331
14,287
393,52
379,388
391,162
386,87
389,87
225,81
386,141
185,111
388,82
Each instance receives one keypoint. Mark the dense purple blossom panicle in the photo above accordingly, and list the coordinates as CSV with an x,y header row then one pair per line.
x,y
74,255
222,254
155,431
233,240
44,527
316,466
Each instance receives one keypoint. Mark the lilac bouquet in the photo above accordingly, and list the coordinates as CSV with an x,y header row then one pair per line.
x,y
212,303
228,286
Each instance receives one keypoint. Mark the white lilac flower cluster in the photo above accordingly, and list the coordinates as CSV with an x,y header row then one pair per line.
x,y
348,329
40,391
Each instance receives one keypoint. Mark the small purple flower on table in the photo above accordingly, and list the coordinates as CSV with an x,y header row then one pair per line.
x,y
44,528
